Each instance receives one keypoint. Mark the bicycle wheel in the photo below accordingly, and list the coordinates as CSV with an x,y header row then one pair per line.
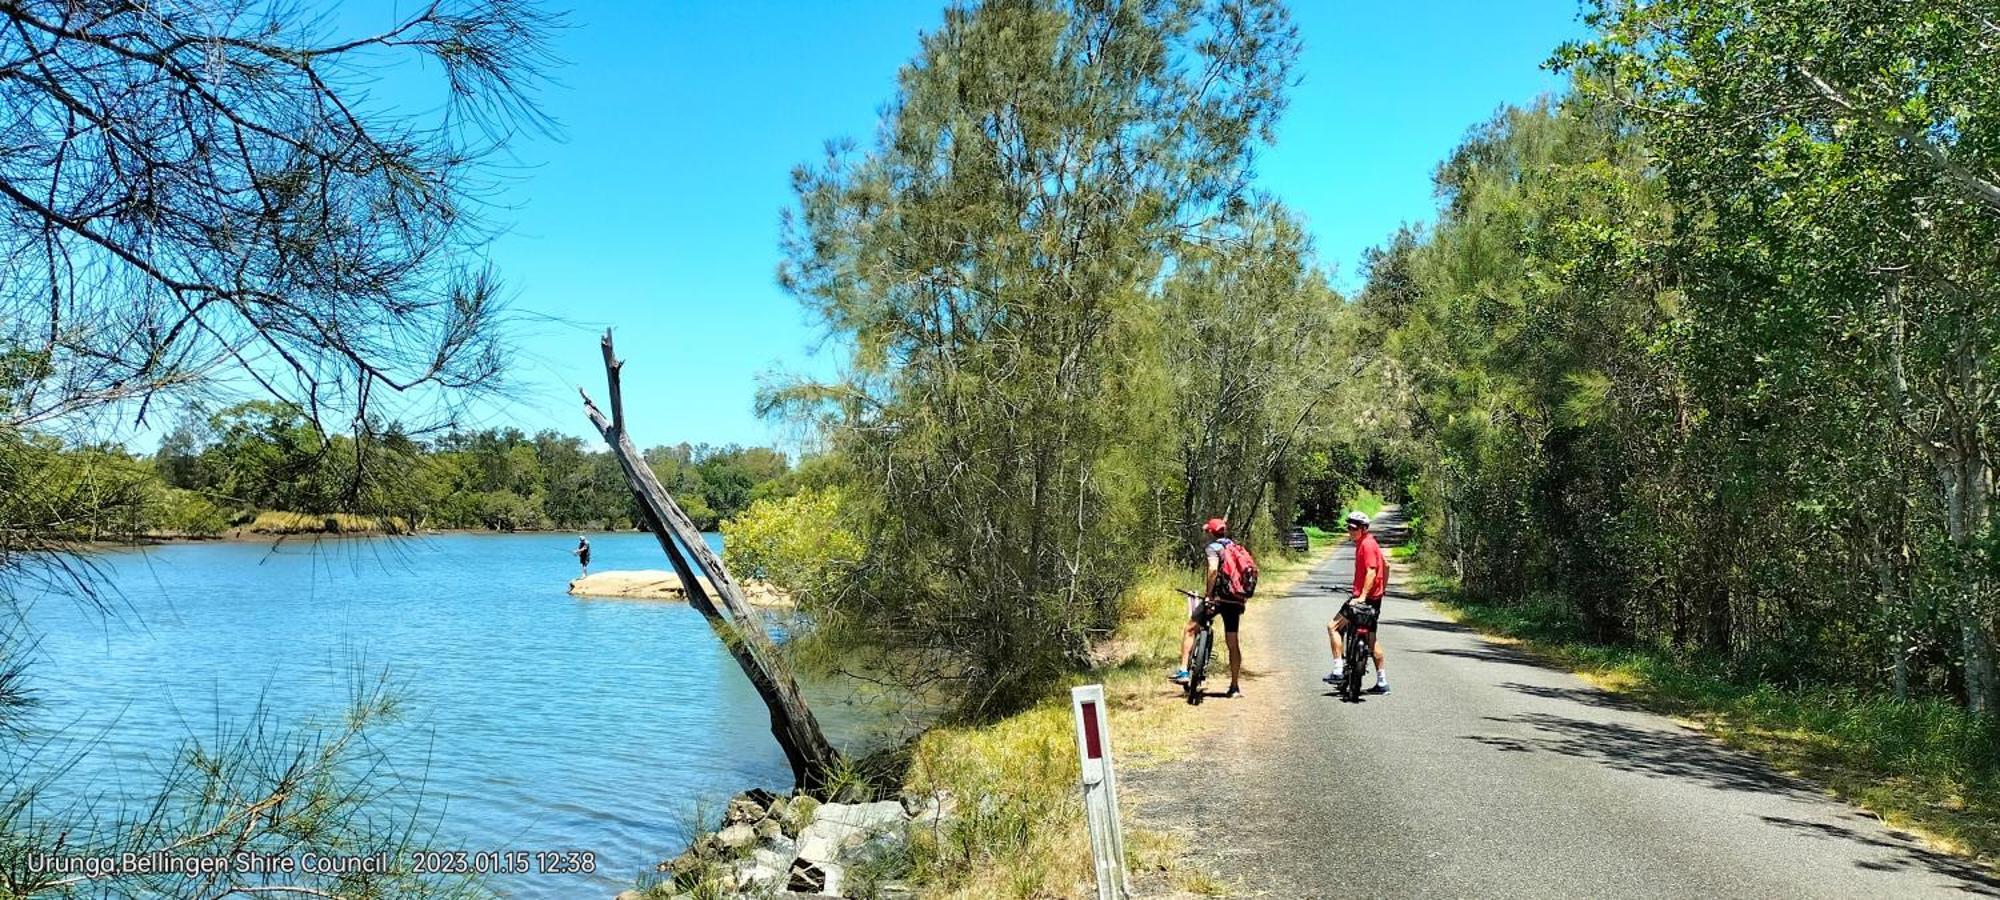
x,y
1198,663
1351,686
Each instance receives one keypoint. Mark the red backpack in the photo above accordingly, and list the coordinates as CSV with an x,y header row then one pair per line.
x,y
1237,571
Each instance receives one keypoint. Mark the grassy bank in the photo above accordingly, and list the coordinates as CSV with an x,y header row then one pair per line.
x,y
1019,831
1926,766
270,522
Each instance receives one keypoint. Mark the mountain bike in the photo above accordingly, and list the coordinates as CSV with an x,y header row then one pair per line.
x,y
1357,637
1204,642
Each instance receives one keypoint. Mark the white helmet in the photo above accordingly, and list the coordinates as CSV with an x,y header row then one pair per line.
x,y
1357,519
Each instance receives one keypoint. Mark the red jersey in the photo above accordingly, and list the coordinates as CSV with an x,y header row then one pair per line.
x,y
1368,553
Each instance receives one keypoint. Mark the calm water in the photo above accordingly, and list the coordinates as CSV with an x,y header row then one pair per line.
x,y
541,721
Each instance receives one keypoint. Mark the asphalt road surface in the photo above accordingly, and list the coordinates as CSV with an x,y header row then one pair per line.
x,y
1487,774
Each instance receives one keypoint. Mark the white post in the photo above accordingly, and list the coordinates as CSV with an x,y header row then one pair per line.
x,y
1100,789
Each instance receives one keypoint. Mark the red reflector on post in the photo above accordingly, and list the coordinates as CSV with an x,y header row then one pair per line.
x,y
1093,747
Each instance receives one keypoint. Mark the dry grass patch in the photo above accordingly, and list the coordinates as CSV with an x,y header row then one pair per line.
x,y
270,522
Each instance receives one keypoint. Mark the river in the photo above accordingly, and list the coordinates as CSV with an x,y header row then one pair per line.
x,y
537,721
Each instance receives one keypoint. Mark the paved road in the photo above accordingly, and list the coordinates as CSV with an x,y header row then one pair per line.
x,y
1486,774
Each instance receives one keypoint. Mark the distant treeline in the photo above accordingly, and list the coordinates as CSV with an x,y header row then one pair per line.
x,y
223,472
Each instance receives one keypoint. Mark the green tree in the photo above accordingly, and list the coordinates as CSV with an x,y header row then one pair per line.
x,y
1250,341
804,543
1844,161
269,455
1525,332
993,261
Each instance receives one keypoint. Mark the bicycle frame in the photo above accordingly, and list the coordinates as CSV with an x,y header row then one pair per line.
x,y
1202,611
1358,638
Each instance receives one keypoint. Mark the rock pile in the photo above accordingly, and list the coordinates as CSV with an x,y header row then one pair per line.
x,y
778,846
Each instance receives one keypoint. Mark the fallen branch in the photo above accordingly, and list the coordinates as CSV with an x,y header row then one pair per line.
x,y
735,623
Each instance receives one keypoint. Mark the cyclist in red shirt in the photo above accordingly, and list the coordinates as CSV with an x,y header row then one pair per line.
x,y
1371,582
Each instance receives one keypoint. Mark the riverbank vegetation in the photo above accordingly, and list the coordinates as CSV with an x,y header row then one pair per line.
x,y
1017,826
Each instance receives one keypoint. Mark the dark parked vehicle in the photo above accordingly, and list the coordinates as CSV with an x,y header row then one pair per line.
x,y
1295,539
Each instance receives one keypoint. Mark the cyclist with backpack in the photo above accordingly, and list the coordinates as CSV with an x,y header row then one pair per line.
x,y
1371,582
1232,578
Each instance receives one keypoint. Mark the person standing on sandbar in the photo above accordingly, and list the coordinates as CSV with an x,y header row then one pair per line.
x,y
582,552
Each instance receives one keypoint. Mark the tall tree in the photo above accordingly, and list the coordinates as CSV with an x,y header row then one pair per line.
x,y
1524,327
992,261
1250,347
1849,158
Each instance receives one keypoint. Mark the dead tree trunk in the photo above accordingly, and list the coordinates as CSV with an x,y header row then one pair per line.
x,y
738,627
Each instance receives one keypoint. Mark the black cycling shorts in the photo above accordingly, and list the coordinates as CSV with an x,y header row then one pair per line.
x,y
1231,613
1375,604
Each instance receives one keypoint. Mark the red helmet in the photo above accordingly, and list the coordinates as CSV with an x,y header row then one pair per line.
x,y
1215,526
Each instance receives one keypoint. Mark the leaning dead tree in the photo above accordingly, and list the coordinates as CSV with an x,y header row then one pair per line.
x,y
734,622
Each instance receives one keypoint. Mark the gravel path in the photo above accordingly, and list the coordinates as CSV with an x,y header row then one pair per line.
x,y
1488,774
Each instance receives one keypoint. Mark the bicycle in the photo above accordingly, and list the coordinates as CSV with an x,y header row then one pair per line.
x,y
1204,643
1357,636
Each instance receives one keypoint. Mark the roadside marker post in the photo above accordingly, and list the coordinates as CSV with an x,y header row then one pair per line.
x,y
1100,789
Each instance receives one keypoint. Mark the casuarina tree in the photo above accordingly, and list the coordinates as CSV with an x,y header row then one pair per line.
x,y
992,261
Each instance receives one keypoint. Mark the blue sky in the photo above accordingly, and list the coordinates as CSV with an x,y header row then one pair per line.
x,y
655,209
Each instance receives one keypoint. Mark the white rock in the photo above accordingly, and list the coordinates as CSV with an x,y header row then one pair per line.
x,y
744,811
819,850
830,831
881,816
736,837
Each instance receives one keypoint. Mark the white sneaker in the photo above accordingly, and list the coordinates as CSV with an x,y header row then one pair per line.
x,y
1334,677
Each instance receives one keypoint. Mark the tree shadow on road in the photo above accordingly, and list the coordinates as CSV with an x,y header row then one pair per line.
x,y
1426,625
1502,744
1588,696
1496,654
1645,751
1905,854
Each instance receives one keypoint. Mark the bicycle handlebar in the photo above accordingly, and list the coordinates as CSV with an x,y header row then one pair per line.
x,y
1194,596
